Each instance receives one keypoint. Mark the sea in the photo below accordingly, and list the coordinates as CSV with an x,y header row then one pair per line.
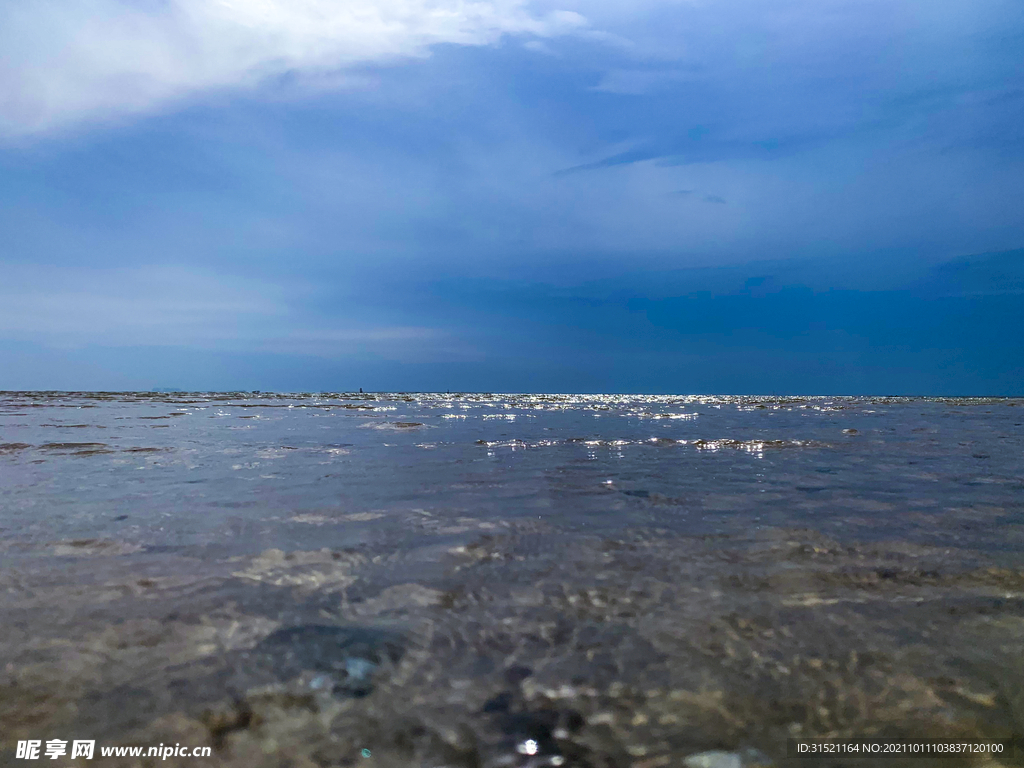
x,y
478,580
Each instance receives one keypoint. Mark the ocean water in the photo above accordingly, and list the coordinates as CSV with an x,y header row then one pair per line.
x,y
441,579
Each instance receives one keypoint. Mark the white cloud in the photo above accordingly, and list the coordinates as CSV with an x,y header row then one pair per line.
x,y
66,61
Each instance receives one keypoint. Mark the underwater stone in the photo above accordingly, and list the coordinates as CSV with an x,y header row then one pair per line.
x,y
745,758
348,655
714,759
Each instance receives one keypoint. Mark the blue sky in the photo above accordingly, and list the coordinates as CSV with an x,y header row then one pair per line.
x,y
803,196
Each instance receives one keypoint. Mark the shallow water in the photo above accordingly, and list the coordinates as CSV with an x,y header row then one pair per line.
x,y
622,580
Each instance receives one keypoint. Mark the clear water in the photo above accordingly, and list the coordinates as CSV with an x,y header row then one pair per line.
x,y
633,578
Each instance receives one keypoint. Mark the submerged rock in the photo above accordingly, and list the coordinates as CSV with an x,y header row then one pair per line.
x,y
346,657
746,758
714,759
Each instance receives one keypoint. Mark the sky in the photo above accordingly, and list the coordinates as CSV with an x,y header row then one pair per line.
x,y
663,196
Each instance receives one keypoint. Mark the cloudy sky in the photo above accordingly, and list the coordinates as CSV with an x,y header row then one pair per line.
x,y
799,196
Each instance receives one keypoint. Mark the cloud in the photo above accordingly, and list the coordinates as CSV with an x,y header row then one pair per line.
x,y
634,82
687,193
72,60
124,306
176,307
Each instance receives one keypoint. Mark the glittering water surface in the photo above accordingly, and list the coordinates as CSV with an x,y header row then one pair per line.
x,y
484,580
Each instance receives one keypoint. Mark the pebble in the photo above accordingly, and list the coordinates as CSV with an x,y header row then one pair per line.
x,y
720,759
714,759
